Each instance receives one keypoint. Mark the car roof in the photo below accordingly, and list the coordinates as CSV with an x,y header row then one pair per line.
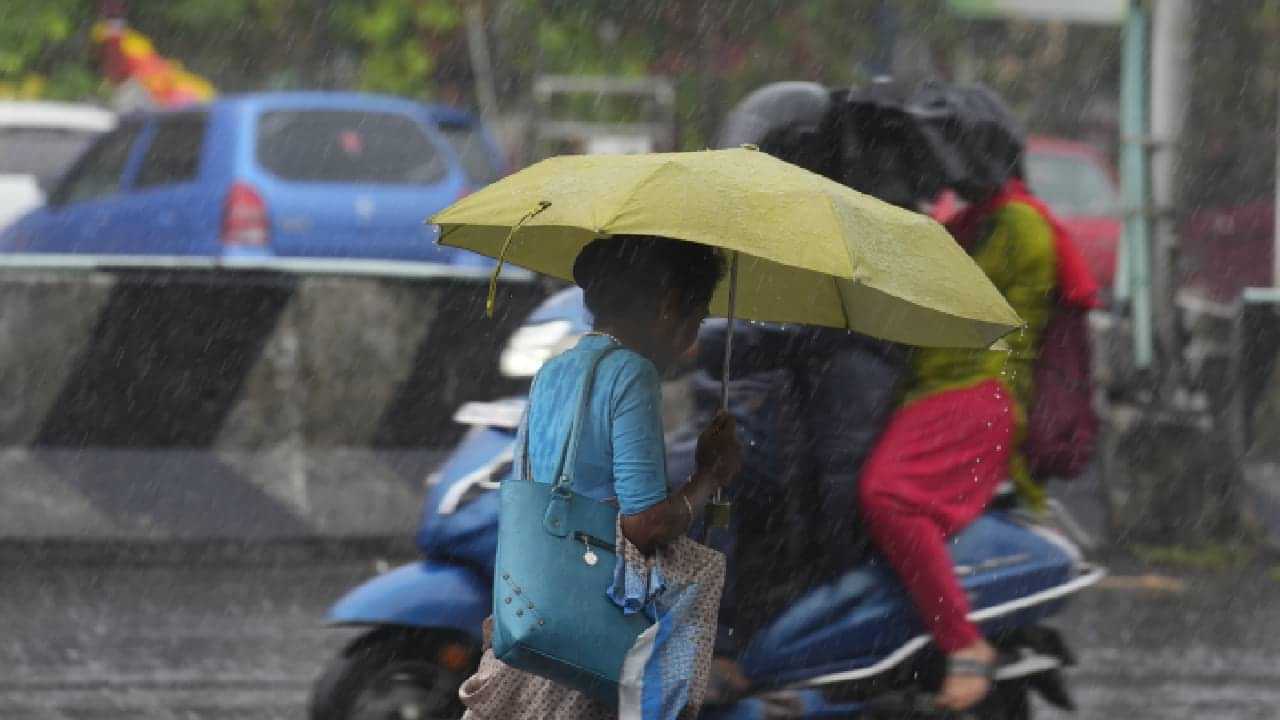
x,y
70,116
321,100
1043,145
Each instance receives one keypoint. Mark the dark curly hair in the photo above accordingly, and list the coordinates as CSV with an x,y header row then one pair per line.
x,y
628,274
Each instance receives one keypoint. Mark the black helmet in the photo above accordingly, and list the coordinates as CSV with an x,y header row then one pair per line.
x,y
882,150
975,137
863,138
786,120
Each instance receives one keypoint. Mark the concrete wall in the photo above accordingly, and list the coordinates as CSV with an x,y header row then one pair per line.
x,y
238,405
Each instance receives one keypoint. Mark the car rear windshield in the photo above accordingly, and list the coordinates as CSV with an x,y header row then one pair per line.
x,y
43,152
339,146
1072,186
473,150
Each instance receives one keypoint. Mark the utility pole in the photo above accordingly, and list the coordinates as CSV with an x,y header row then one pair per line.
x,y
1170,83
1275,234
1134,285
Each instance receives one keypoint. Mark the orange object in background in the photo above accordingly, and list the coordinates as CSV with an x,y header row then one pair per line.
x,y
128,58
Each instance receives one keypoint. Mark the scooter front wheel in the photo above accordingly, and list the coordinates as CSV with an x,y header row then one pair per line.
x,y
392,674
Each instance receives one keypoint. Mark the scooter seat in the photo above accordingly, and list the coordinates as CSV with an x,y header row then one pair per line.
x,y
865,616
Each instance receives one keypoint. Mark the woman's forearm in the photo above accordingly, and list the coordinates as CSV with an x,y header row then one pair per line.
x,y
671,518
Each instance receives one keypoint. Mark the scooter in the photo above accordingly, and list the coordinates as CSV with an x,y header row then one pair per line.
x,y
850,648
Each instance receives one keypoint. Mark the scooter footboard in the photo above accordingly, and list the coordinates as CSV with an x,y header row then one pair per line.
x,y
421,595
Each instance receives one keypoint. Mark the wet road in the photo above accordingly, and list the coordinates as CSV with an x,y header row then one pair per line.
x,y
244,640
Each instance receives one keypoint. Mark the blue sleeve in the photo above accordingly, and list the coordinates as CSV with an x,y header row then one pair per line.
x,y
639,452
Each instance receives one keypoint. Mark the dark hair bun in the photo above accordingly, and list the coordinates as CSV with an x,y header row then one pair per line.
x,y
628,274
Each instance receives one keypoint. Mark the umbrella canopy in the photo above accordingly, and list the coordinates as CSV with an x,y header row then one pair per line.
x,y
811,250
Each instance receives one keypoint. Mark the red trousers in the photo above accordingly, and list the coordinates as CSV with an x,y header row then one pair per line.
x,y
932,472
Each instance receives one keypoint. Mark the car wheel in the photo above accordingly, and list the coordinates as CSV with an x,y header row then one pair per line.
x,y
389,675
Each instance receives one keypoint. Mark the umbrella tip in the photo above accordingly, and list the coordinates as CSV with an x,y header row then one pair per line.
x,y
750,146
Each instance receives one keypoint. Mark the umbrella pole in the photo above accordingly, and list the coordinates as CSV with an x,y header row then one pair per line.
x,y
718,509
728,341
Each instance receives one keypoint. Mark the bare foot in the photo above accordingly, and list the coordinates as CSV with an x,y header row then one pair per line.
x,y
962,689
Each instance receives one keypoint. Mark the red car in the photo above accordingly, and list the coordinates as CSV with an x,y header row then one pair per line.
x,y
1078,183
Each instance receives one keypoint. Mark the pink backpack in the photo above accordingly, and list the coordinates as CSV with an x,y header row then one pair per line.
x,y
1062,427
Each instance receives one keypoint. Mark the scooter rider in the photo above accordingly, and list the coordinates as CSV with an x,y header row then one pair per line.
x,y
811,401
958,430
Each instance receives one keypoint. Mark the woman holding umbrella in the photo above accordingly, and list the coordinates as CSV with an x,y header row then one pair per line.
x,y
647,296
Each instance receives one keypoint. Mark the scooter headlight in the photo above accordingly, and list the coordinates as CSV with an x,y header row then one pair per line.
x,y
533,345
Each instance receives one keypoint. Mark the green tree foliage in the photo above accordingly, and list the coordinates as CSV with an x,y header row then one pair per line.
x,y
1061,78
404,47
1236,80
41,49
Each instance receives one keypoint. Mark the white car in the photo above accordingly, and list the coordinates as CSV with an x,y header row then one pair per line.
x,y
38,142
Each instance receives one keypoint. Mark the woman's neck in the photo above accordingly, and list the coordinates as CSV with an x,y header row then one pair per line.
x,y
633,335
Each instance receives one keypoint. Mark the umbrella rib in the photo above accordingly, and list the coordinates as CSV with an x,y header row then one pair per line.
x,y
844,310
632,196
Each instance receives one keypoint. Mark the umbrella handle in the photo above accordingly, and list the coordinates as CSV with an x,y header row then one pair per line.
x,y
719,509
502,256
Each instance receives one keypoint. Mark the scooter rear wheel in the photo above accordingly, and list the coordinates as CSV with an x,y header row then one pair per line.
x,y
388,674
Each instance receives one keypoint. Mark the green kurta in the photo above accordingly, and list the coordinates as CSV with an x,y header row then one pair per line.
x,y
1019,256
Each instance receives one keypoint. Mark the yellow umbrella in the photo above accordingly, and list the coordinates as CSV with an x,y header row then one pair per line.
x,y
812,250
803,249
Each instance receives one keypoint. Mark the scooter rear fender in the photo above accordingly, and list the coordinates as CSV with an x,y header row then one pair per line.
x,y
419,595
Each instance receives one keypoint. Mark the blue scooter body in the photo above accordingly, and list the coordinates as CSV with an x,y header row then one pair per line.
x,y
460,515
865,615
419,595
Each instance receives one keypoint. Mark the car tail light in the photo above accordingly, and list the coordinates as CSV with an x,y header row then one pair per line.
x,y
244,218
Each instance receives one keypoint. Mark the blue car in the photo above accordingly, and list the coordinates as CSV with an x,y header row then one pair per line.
x,y
306,174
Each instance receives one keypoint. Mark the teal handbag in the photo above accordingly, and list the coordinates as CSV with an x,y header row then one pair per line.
x,y
555,562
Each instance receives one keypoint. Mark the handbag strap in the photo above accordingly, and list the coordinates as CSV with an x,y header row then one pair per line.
x,y
566,467
570,447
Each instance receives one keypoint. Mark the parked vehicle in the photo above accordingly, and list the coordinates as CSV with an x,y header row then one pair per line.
x,y
852,648
1227,248
38,142
474,145
272,174
1078,183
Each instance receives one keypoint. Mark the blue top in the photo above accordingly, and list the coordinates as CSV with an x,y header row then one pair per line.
x,y
621,453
